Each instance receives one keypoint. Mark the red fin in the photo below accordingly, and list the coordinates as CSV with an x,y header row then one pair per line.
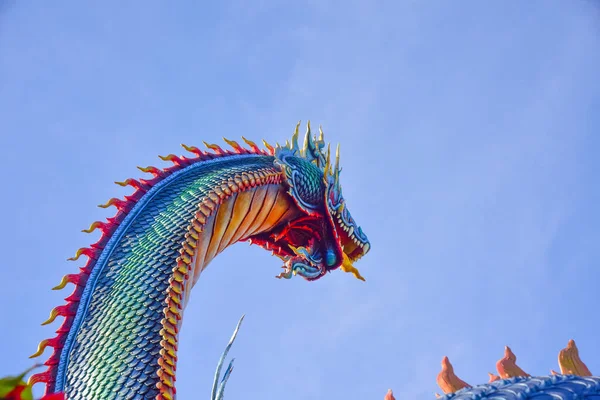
x,y
85,251
236,147
55,342
214,147
137,184
120,204
76,279
66,310
103,226
152,170
194,150
254,148
178,161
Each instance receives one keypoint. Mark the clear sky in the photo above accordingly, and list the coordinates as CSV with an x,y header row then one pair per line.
x,y
470,134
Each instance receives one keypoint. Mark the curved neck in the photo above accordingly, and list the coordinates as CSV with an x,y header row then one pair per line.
x,y
125,342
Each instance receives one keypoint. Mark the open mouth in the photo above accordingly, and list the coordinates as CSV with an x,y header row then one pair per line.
x,y
302,232
306,235
351,244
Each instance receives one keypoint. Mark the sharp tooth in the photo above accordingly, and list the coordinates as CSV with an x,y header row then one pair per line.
x,y
366,247
350,231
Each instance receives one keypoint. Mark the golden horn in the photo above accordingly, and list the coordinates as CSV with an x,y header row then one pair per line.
x,y
295,137
336,170
327,160
308,141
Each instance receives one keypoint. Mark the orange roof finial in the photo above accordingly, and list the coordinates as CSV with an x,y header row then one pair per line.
x,y
570,363
507,367
493,378
447,379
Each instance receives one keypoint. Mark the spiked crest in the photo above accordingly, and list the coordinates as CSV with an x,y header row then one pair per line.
x,y
313,151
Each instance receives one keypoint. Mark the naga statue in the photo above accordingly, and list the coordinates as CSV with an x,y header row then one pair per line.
x,y
119,337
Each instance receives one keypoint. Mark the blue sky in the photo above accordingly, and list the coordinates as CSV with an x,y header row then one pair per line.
x,y
469,136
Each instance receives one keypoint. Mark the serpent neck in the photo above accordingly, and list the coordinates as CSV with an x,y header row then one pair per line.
x,y
125,342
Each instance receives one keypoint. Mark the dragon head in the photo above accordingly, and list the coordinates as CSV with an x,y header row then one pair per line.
x,y
325,237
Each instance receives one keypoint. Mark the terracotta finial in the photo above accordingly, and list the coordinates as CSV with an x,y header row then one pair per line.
x,y
447,379
493,378
507,367
389,395
570,363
